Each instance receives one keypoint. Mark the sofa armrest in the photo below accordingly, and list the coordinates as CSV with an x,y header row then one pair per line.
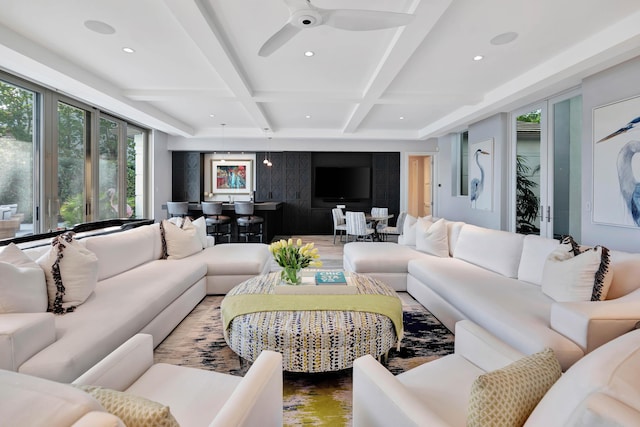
x,y
98,419
379,399
22,335
257,400
481,348
593,323
123,366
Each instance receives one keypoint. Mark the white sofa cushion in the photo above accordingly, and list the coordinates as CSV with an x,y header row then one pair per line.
x,y
32,401
120,252
453,231
432,237
494,250
22,284
611,370
70,264
379,257
408,236
582,277
200,225
626,270
535,251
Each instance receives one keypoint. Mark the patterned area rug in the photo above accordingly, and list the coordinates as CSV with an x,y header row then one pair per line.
x,y
309,399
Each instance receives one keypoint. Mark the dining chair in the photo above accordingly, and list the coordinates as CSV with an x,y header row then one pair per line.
x,y
339,224
357,226
247,221
177,209
397,230
212,212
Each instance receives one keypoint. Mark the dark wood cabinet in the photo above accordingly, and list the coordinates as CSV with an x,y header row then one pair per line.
x,y
386,182
297,193
269,179
187,176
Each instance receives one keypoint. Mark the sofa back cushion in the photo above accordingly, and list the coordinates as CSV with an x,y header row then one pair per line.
x,y
535,251
453,232
23,288
122,251
495,250
611,369
35,401
626,273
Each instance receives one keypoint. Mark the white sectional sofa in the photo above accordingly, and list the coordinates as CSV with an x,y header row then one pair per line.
x,y
493,278
136,292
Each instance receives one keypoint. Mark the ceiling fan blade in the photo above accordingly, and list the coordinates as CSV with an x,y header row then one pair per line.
x,y
276,41
294,5
363,20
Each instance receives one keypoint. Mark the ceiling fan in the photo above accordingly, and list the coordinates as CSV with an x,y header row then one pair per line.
x,y
305,15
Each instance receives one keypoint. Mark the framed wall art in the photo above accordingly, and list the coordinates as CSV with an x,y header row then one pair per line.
x,y
481,175
616,168
231,176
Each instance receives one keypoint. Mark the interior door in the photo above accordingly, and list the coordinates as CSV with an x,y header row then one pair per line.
x,y
420,191
547,160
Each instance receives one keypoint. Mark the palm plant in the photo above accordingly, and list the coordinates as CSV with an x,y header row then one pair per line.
x,y
527,204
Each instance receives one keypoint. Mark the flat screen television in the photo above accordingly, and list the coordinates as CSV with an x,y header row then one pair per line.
x,y
342,183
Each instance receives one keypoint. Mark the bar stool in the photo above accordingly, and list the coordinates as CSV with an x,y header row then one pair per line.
x,y
247,221
212,212
178,209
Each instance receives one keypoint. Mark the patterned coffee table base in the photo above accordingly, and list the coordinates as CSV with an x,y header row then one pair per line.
x,y
311,341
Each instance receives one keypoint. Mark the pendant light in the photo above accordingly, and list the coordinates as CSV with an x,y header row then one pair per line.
x,y
223,160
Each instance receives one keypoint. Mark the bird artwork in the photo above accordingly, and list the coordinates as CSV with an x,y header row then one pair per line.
x,y
629,185
477,184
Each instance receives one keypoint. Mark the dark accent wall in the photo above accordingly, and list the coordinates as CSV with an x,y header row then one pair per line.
x,y
187,176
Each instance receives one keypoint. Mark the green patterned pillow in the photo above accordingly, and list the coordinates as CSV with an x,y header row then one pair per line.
x,y
134,411
506,397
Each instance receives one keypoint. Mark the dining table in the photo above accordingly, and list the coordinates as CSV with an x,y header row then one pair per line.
x,y
375,220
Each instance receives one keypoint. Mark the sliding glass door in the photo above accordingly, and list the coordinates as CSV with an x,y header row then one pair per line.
x,y
547,164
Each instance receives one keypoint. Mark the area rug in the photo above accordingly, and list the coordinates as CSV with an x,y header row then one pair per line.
x,y
309,399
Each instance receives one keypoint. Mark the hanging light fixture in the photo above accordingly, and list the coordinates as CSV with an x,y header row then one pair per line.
x,y
269,164
223,160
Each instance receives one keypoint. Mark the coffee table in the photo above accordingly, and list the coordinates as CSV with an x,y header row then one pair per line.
x,y
312,340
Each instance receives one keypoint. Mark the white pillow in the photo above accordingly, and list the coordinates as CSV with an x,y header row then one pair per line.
x,y
22,285
409,231
71,271
201,231
180,242
432,237
584,276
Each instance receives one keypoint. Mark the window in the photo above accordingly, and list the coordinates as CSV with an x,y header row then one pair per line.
x,y
461,161
19,135
67,170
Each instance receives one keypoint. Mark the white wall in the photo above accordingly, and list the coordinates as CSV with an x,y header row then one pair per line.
x,y
459,207
160,173
614,84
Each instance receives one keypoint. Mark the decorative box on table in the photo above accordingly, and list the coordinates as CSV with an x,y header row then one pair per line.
x,y
321,282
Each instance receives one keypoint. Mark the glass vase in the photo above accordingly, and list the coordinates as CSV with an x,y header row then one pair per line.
x,y
291,276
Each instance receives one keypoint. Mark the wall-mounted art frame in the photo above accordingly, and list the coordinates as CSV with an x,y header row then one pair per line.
x,y
481,175
616,141
231,176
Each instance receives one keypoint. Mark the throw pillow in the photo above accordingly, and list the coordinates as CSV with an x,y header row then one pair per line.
x,y
507,396
432,237
71,272
179,241
134,411
22,285
201,230
572,274
409,231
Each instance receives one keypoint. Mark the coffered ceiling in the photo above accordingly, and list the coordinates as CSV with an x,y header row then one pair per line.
x,y
195,63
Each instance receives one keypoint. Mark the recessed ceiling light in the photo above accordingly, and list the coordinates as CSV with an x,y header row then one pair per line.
x,y
478,58
504,38
212,115
308,116
99,27
309,53
401,117
128,50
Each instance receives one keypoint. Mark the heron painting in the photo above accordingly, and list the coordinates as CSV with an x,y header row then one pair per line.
x,y
481,175
616,168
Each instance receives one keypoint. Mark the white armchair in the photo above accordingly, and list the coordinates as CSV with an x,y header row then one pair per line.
x,y
196,397
601,389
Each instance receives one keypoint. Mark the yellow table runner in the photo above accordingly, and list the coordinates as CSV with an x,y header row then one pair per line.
x,y
237,305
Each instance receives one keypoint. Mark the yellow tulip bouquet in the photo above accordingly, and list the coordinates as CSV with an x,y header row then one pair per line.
x,y
294,257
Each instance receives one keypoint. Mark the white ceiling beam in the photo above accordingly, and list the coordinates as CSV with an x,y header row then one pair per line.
x,y
198,22
405,42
